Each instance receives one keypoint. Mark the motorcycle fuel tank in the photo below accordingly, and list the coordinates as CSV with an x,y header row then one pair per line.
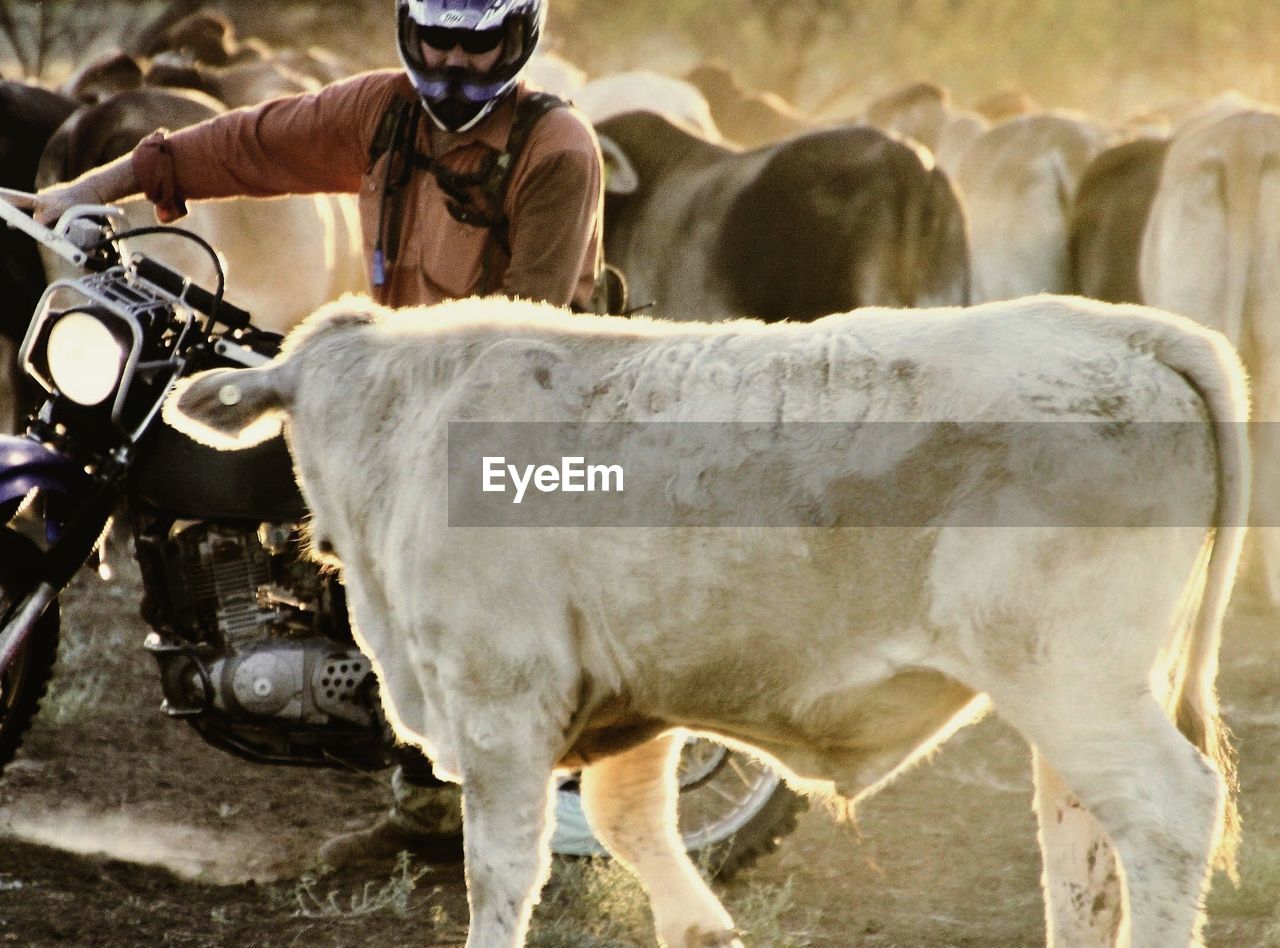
x,y
175,474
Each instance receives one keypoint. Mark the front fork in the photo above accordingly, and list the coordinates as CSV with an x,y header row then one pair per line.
x,y
59,563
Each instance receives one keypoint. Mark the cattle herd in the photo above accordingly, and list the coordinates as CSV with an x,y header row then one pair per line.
x,y
842,657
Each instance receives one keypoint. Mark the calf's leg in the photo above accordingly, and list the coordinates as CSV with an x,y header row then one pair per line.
x,y
1157,798
1083,901
630,802
506,777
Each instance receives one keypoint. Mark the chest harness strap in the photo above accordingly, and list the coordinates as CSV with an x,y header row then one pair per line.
x,y
475,198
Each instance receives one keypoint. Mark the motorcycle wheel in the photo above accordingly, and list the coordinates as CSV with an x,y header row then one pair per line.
x,y
732,810
23,685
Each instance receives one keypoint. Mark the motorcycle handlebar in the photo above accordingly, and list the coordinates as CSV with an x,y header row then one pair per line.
x,y
162,277
177,285
11,204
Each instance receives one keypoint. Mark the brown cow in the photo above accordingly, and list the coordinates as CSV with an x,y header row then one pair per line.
x,y
1108,217
820,223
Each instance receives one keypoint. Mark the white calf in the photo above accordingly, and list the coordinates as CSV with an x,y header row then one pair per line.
x,y
867,589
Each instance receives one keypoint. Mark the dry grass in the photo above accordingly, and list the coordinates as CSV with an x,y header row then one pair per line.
x,y
596,903
1254,900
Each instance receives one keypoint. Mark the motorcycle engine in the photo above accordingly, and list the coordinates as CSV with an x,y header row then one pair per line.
x,y
253,644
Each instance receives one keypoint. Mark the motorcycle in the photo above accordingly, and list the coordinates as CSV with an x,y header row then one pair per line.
x,y
251,638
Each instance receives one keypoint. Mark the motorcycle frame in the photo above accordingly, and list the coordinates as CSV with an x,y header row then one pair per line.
x,y
142,305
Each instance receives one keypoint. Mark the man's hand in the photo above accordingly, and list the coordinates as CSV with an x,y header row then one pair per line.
x,y
51,203
22,199
106,184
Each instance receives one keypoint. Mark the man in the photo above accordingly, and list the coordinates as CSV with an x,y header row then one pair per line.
x,y
423,210
497,190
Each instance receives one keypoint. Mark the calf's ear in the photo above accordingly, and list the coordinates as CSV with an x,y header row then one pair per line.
x,y
620,176
230,408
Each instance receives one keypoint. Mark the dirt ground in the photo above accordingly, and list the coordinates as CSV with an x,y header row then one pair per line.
x,y
120,827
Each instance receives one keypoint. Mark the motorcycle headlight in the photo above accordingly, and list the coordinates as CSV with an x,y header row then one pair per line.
x,y
85,357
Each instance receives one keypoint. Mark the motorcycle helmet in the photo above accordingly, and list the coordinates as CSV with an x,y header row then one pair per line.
x,y
456,99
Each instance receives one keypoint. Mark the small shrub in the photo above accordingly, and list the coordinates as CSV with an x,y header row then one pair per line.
x,y
391,896
759,910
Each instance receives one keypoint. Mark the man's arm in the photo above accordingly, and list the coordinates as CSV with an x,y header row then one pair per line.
x,y
317,142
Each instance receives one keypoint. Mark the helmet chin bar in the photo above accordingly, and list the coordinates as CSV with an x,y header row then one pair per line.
x,y
456,114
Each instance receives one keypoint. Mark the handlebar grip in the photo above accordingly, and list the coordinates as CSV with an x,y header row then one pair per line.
x,y
228,314
175,284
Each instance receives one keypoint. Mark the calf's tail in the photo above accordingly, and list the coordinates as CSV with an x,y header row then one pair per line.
x,y
1212,367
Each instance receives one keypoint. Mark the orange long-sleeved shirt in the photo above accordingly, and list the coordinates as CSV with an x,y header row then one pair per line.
x,y
320,142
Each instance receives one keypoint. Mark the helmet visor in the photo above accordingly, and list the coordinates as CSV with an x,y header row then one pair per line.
x,y
474,42
444,82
